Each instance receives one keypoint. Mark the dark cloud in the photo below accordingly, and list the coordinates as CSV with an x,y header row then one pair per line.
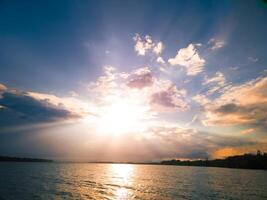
x,y
20,108
169,99
227,108
163,98
140,81
253,115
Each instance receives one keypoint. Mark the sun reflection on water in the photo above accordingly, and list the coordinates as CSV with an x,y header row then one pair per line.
x,y
122,178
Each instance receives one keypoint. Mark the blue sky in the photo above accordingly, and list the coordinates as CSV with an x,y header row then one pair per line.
x,y
213,54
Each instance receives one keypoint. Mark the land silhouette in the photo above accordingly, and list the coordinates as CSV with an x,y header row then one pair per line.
x,y
246,161
18,159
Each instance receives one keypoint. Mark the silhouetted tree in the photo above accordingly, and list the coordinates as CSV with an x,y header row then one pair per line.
x,y
246,161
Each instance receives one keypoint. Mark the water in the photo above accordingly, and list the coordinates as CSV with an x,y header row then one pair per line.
x,y
123,181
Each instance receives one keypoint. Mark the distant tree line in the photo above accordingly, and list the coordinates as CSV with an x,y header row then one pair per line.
x,y
246,161
16,159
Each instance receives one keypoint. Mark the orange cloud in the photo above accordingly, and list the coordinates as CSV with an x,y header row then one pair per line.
x,y
238,105
239,150
248,131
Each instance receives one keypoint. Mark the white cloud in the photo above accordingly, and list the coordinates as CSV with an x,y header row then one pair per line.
x,y
216,82
194,120
252,59
158,48
234,68
217,78
160,60
106,83
190,59
216,44
201,99
144,45
2,87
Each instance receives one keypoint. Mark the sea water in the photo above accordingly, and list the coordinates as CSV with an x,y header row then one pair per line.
x,y
20,181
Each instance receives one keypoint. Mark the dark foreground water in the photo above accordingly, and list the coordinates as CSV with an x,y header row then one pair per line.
x,y
122,181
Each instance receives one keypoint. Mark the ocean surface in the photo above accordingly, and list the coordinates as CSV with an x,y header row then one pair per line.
x,y
20,181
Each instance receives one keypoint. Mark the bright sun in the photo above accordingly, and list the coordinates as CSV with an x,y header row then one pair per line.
x,y
121,117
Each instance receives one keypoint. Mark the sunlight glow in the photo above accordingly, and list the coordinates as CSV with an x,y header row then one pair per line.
x,y
122,116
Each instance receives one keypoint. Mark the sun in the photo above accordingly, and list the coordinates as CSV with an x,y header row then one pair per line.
x,y
122,116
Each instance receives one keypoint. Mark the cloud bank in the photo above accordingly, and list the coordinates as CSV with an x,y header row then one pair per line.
x,y
22,108
244,104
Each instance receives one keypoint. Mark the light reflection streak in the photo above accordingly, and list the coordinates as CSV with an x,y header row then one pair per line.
x,y
122,178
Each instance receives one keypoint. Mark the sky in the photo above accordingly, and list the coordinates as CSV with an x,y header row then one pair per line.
x,y
133,80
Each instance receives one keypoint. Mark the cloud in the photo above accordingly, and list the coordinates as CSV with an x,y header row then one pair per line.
x,y
194,120
217,78
189,58
178,142
144,45
160,60
21,107
159,141
201,99
248,131
141,86
106,83
245,104
169,99
158,48
140,78
230,151
71,102
234,68
2,87
216,44
252,59
215,83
